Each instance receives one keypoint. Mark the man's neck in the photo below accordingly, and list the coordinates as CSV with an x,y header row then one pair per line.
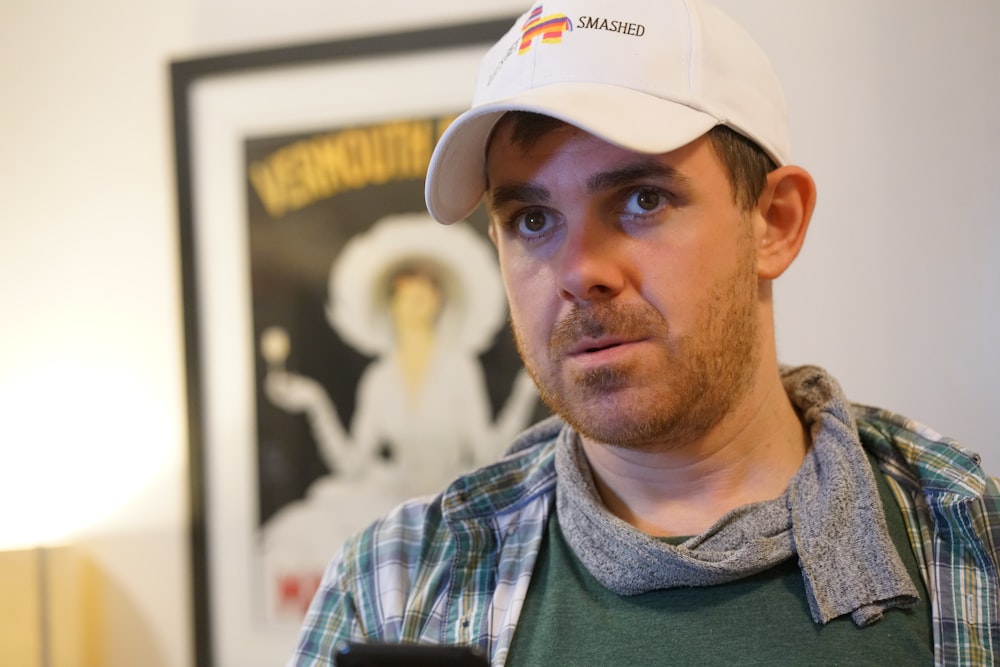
x,y
684,488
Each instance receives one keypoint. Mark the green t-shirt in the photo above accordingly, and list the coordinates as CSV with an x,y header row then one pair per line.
x,y
570,619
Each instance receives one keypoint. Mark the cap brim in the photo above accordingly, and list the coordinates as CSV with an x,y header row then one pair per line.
x,y
456,176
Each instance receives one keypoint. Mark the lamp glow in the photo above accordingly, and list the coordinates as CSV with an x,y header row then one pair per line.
x,y
80,441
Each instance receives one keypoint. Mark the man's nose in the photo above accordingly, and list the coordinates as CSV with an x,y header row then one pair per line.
x,y
589,264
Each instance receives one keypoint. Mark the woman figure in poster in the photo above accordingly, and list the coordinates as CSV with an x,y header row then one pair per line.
x,y
424,304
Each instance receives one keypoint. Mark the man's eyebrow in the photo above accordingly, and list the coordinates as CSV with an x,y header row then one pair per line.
x,y
530,193
630,173
517,192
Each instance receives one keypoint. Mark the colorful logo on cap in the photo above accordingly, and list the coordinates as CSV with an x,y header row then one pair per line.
x,y
550,28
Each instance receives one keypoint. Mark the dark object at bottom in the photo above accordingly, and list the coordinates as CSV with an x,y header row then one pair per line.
x,y
409,655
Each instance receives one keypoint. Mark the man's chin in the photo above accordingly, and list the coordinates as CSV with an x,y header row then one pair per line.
x,y
610,419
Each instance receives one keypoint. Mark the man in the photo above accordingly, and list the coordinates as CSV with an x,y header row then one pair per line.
x,y
693,502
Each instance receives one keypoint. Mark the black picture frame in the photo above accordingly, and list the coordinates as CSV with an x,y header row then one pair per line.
x,y
187,75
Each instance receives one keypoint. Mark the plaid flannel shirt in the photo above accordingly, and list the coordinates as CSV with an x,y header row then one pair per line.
x,y
455,569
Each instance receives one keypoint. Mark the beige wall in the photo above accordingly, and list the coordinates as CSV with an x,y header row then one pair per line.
x,y
894,109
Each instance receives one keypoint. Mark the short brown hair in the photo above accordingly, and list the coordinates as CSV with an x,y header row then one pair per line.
x,y
746,163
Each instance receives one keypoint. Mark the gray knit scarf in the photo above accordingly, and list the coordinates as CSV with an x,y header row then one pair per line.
x,y
830,517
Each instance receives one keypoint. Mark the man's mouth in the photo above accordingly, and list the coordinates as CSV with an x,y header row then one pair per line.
x,y
596,334
588,347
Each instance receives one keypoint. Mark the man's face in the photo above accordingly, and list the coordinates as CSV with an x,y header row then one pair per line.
x,y
632,283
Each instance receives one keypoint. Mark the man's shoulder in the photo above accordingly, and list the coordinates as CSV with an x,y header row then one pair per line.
x,y
481,498
938,463
415,544
525,472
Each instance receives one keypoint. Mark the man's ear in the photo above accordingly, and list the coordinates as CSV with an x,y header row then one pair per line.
x,y
785,208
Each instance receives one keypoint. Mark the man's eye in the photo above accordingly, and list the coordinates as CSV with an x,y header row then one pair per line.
x,y
645,200
532,223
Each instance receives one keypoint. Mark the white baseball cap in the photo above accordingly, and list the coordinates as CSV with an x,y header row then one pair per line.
x,y
648,75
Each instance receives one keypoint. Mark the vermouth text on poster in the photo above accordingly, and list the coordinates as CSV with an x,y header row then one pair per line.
x,y
325,165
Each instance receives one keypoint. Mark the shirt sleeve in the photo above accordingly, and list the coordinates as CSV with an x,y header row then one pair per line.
x,y
332,617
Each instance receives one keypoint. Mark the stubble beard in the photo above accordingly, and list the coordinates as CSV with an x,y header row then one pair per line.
x,y
673,399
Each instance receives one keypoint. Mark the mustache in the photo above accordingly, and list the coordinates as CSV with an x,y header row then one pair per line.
x,y
605,319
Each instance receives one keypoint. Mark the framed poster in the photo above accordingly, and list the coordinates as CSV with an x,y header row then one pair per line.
x,y
343,351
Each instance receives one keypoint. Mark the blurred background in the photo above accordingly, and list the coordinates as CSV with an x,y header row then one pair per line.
x,y
895,110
